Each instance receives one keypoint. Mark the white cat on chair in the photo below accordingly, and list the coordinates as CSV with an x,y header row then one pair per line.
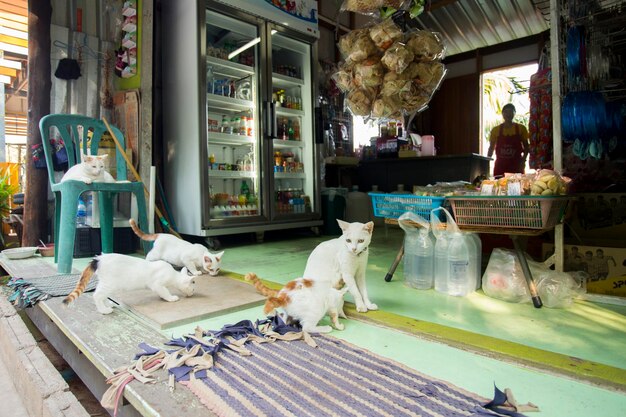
x,y
344,260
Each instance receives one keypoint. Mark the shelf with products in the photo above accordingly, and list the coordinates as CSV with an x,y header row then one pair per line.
x,y
228,68
286,144
285,111
216,101
230,174
289,175
284,81
230,139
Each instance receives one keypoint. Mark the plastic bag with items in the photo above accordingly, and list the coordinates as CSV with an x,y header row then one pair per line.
x,y
503,279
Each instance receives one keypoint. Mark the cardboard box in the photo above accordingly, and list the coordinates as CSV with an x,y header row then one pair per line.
x,y
599,215
606,266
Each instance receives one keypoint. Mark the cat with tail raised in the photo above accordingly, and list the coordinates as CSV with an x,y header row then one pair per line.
x,y
305,301
120,273
90,170
344,259
179,252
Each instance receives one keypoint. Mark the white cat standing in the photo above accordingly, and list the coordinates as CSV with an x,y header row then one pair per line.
x,y
92,169
179,252
120,273
344,258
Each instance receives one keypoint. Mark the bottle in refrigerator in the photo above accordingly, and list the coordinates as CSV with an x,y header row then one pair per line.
x,y
225,126
296,130
210,80
242,125
234,123
290,131
283,129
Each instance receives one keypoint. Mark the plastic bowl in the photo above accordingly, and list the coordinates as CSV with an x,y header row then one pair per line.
x,y
47,250
20,253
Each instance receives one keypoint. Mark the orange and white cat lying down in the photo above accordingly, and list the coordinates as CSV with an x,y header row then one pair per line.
x,y
305,301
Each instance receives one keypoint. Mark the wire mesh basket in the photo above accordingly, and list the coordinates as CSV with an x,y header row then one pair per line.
x,y
392,206
511,212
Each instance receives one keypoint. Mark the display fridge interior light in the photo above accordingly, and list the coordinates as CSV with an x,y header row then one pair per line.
x,y
246,46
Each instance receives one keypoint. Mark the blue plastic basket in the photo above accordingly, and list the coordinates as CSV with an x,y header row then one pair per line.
x,y
392,206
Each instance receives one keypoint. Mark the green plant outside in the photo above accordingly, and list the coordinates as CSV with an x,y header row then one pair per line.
x,y
6,193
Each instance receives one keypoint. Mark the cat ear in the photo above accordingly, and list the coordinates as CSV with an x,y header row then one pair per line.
x,y
344,290
87,158
184,271
103,156
207,260
343,225
369,226
219,256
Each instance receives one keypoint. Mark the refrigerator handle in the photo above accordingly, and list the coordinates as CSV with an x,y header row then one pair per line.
x,y
267,113
273,124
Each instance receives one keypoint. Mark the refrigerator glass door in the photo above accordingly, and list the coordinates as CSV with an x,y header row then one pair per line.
x,y
234,154
293,171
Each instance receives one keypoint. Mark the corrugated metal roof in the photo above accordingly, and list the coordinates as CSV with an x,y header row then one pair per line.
x,y
471,24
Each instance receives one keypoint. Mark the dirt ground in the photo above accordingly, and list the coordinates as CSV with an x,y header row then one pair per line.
x,y
77,387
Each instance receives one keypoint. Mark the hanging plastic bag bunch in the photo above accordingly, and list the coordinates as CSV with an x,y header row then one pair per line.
x,y
419,251
457,256
387,72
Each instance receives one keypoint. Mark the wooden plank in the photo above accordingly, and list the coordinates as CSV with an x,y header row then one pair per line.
x,y
14,17
13,24
8,71
12,40
19,7
213,296
111,341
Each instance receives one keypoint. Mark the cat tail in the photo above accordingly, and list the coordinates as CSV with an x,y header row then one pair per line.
x,y
140,233
273,303
82,282
260,287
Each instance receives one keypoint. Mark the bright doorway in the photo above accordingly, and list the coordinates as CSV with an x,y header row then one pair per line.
x,y
499,87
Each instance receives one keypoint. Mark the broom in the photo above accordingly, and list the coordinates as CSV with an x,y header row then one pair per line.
x,y
162,219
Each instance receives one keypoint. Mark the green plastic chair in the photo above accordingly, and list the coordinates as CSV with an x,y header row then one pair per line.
x,y
73,130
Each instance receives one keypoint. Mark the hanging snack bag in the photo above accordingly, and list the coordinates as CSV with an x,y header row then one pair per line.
x,y
357,45
397,58
385,33
425,45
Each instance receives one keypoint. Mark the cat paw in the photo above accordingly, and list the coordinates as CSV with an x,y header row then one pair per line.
x,y
172,299
361,308
106,310
88,181
340,326
197,273
323,329
372,306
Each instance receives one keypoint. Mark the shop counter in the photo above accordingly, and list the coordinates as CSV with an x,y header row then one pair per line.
x,y
424,170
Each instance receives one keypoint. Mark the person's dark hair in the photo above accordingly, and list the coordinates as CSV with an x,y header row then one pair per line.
x,y
509,106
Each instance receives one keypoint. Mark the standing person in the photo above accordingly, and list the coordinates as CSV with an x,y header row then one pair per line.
x,y
510,142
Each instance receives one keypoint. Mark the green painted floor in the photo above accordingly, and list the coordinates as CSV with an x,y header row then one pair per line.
x,y
569,362
591,338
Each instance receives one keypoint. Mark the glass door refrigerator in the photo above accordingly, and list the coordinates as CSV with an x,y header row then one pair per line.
x,y
238,106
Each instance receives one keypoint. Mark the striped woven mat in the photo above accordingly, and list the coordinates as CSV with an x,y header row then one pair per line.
x,y
333,379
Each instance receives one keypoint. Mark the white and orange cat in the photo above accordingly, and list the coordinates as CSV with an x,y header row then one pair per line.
x,y
92,169
344,259
179,252
120,273
305,301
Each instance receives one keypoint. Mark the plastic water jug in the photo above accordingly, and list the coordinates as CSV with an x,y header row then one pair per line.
x,y
460,270
441,263
81,213
476,257
357,206
419,250
459,260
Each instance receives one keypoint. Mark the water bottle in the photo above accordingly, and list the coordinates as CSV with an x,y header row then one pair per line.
x,y
441,263
418,260
476,257
460,271
210,80
81,214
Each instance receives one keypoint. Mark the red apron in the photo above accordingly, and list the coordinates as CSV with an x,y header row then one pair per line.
x,y
509,151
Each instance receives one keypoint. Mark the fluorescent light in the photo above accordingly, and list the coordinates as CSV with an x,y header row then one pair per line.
x,y
243,48
273,31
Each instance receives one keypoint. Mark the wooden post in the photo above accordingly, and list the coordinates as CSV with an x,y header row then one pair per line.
x,y
39,87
